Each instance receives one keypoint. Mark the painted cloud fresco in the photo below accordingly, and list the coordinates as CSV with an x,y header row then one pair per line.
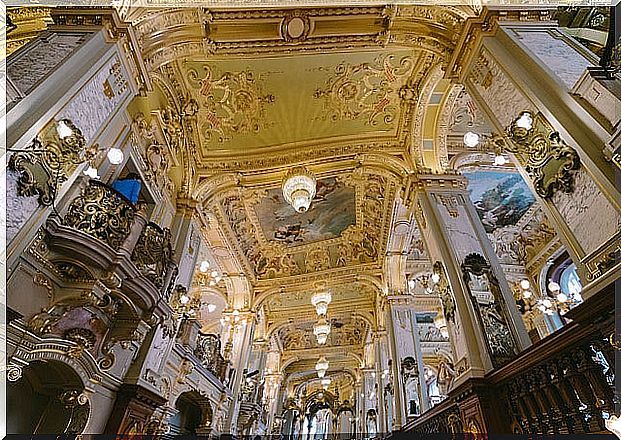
x,y
500,198
333,209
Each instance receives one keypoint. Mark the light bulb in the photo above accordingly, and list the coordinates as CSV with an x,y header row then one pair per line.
x,y
212,283
500,160
554,286
547,303
204,267
471,139
214,273
525,284
184,299
411,284
525,121
91,172
435,278
561,297
527,294
115,156
63,130
211,308
235,312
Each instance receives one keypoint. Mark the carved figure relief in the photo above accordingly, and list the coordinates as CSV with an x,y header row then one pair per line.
x,y
489,304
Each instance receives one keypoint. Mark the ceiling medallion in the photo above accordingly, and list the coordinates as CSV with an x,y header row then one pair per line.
x,y
322,366
295,27
299,187
321,330
320,300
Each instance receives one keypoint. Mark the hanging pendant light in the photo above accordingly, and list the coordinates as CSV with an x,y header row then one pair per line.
x,y
321,329
322,366
299,187
325,383
321,300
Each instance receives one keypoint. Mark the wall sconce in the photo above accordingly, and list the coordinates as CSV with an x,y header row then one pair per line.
x,y
546,157
50,159
184,304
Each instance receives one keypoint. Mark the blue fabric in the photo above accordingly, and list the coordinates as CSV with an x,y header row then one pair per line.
x,y
130,188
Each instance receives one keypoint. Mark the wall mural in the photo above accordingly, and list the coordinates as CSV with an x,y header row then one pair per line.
x,y
500,198
333,209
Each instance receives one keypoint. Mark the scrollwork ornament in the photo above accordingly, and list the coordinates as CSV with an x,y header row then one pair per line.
x,y
13,372
101,212
47,162
548,159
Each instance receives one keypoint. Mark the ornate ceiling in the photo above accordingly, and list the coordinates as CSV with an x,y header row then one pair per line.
x,y
355,94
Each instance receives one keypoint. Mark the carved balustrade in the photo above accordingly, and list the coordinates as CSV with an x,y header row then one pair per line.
x,y
208,353
563,384
102,212
152,254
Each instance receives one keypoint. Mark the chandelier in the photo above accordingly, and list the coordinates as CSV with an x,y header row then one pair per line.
x,y
299,188
321,300
322,366
321,329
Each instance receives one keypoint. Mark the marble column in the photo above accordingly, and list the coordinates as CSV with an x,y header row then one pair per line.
x,y
517,69
453,231
240,353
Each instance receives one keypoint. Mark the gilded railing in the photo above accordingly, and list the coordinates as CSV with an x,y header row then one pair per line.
x,y
208,353
152,254
102,212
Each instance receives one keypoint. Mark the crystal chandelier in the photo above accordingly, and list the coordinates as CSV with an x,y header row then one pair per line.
x,y
299,188
321,329
321,300
322,366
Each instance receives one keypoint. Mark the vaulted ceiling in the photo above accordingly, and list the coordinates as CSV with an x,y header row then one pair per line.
x,y
354,94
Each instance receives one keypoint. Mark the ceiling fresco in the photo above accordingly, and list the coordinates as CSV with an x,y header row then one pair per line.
x,y
333,209
250,103
344,331
500,198
267,239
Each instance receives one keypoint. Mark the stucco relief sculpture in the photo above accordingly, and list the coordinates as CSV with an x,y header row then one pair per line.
x,y
489,303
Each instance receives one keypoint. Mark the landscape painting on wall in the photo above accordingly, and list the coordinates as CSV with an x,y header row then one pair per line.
x,y
332,210
500,198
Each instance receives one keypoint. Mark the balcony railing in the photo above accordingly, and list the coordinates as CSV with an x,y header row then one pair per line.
x,y
208,352
102,212
563,384
153,253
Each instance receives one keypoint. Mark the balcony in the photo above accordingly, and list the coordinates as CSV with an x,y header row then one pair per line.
x,y
208,352
106,232
563,384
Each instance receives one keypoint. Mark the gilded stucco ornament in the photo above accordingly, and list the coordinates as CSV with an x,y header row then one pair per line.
x,y
49,160
102,212
547,158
